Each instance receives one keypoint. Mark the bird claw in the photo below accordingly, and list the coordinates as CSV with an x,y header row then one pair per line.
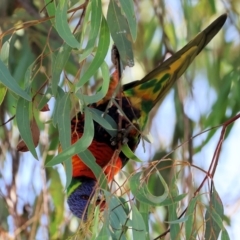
x,y
121,137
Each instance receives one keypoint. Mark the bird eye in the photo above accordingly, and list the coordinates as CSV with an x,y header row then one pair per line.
x,y
84,197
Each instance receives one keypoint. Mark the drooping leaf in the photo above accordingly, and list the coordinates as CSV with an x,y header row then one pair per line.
x,y
225,235
3,91
180,220
79,146
35,133
60,94
4,55
103,44
23,118
104,233
56,191
173,210
7,80
118,219
144,211
51,9
104,88
88,158
64,129
190,222
42,104
140,190
104,120
120,33
214,216
129,153
58,63
64,121
138,225
95,7
128,8
62,25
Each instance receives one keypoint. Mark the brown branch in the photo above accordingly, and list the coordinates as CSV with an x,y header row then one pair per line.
x,y
35,22
212,167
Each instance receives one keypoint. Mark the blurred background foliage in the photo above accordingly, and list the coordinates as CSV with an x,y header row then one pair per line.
x,y
32,197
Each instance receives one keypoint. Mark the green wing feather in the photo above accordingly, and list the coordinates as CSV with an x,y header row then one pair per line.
x,y
145,93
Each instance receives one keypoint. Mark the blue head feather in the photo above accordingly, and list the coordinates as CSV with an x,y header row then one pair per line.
x,y
80,193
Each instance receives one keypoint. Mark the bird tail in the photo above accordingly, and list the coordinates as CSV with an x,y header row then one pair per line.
x,y
145,93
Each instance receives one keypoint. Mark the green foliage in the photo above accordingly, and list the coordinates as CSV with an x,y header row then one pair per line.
x,y
120,33
56,56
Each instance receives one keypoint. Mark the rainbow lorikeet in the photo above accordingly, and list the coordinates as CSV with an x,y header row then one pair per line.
x,y
137,100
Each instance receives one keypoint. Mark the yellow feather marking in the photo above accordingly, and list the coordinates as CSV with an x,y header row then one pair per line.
x,y
180,62
147,94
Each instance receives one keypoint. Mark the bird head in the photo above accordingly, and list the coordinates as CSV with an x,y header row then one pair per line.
x,y
80,193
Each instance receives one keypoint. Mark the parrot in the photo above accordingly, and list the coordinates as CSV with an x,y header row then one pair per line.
x,y
136,101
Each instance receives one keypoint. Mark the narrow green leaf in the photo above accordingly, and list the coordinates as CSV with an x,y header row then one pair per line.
x,y
23,122
172,209
118,219
4,55
141,192
189,225
212,6
28,76
172,216
214,216
62,26
95,22
88,158
68,171
138,225
209,224
129,153
45,98
64,121
60,94
144,211
181,220
10,82
3,91
158,199
56,191
26,59
104,120
104,233
85,27
217,219
64,130
4,210
104,89
172,200
51,8
58,64
125,205
79,146
217,203
120,33
95,222
103,44
128,9
212,228
225,235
